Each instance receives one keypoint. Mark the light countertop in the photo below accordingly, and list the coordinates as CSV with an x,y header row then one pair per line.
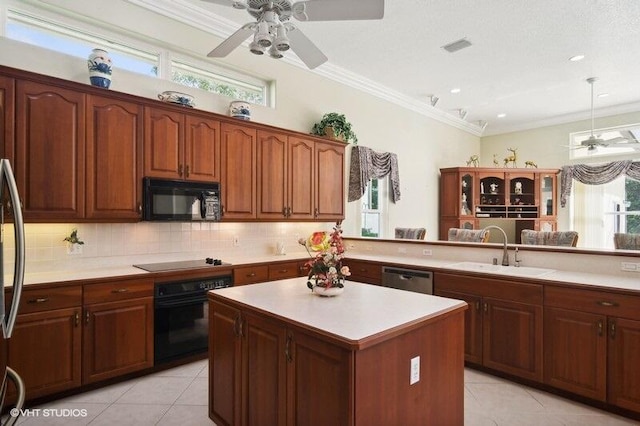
x,y
361,311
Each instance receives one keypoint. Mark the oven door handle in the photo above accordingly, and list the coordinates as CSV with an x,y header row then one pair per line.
x,y
172,303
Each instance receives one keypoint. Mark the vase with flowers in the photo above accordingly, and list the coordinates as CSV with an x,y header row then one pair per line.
x,y
326,270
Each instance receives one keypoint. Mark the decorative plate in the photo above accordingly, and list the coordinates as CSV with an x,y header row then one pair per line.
x,y
177,98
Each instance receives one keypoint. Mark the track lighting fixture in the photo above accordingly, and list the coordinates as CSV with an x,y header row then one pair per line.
x,y
462,113
482,124
433,100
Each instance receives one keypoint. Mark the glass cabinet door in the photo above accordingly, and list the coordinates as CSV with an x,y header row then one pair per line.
x,y
466,194
547,195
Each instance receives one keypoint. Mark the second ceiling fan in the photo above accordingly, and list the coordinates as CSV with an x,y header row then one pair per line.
x,y
274,34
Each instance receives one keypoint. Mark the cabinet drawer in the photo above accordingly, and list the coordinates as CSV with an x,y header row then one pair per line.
x,y
118,290
599,302
281,271
46,299
489,287
250,275
365,269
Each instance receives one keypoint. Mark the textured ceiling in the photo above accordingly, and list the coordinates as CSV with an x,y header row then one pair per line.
x,y
518,63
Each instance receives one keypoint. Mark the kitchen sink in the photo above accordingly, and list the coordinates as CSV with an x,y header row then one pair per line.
x,y
521,271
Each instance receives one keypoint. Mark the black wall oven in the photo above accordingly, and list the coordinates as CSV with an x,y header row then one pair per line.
x,y
182,317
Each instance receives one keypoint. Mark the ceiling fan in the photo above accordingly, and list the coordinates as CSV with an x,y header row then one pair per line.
x,y
593,142
274,34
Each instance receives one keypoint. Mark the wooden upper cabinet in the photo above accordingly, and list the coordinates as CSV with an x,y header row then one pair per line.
x,y
300,171
7,116
49,154
238,180
163,142
285,176
329,181
202,149
273,198
114,159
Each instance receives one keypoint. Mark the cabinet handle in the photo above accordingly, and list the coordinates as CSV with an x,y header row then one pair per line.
x,y
251,275
120,290
287,349
486,307
612,331
180,170
315,212
39,300
222,210
284,211
288,211
237,326
600,325
76,319
283,271
478,305
607,304
140,208
186,171
86,317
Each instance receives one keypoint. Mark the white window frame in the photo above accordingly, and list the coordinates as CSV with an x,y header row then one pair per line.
x,y
576,152
383,197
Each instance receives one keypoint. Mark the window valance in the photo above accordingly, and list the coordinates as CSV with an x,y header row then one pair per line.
x,y
366,164
595,175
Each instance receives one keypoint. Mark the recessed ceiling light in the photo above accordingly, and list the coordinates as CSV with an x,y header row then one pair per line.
x,y
502,115
576,58
455,90
603,95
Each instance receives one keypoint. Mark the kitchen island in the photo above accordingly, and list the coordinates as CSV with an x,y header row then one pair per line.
x,y
280,355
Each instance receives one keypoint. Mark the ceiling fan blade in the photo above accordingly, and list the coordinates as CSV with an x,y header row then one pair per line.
x,y
232,42
236,4
338,10
615,141
304,48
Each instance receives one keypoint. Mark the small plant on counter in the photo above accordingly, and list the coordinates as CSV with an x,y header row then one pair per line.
x,y
73,238
338,122
326,268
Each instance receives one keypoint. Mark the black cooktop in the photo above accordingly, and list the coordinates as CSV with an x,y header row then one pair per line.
x,y
184,264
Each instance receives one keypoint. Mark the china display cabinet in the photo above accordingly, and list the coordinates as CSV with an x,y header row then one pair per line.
x,y
526,198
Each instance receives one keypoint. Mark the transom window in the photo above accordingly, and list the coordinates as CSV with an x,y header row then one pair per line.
x,y
621,140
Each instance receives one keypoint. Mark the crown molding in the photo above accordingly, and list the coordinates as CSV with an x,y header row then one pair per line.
x,y
203,19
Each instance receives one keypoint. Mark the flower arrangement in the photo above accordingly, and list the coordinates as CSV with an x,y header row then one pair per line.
x,y
326,268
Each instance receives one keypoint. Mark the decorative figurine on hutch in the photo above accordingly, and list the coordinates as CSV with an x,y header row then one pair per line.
x,y
518,188
493,188
99,64
464,209
240,109
511,158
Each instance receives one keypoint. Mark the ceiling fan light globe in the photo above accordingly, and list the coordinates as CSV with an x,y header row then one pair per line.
x,y
263,37
281,41
256,48
275,53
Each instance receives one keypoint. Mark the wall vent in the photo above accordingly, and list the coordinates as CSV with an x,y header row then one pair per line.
x,y
457,45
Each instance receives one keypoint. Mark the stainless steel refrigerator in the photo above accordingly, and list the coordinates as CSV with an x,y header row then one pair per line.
x,y
10,200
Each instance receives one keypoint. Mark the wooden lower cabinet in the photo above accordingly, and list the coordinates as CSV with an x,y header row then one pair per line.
x,y
592,344
45,349
507,334
364,272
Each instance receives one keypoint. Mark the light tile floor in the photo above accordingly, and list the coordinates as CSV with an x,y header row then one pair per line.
x,y
178,396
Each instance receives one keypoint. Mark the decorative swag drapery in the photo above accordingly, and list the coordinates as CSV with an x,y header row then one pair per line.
x,y
595,175
366,164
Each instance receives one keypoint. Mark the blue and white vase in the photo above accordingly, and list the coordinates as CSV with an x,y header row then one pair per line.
x,y
240,109
99,64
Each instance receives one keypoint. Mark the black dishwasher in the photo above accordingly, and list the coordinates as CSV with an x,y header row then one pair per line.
x,y
407,279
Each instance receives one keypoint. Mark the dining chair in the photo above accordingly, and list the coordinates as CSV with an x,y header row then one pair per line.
x,y
549,238
411,233
626,241
468,235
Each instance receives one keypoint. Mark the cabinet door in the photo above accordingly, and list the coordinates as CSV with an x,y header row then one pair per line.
x,y
472,324
7,117
202,149
623,368
318,365
238,152
566,332
512,338
49,158
163,143
225,365
45,350
117,338
329,182
114,159
300,178
264,372
273,199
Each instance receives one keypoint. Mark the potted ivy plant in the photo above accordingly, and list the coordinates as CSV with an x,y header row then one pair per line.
x,y
335,126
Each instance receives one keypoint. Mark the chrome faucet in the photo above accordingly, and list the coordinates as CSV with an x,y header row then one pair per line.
x,y
505,252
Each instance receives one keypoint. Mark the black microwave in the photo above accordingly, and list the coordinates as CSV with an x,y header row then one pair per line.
x,y
180,201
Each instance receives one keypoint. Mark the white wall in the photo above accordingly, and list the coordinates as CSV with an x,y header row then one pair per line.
x,y
423,144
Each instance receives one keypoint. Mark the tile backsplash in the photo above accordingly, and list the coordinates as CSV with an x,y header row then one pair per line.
x,y
121,243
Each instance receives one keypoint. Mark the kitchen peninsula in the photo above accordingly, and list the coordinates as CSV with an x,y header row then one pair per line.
x,y
373,355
